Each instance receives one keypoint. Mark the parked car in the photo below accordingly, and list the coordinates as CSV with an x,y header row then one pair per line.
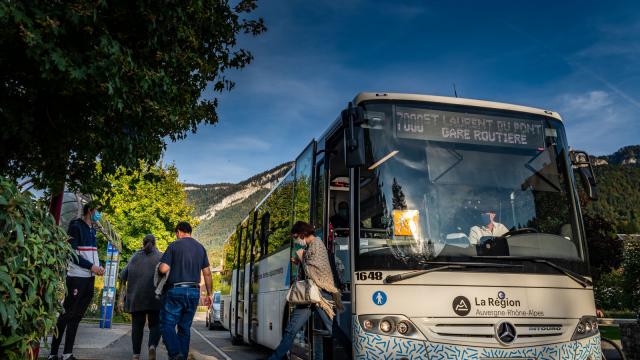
x,y
213,320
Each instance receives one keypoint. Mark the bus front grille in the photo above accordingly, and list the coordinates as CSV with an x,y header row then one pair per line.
x,y
483,331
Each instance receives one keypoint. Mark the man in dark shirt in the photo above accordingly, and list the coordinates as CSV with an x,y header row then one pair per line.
x,y
184,260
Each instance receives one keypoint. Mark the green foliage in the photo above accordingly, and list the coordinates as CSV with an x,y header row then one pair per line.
x,y
212,232
617,211
631,266
149,199
85,80
625,153
619,197
34,254
605,248
608,290
279,205
218,285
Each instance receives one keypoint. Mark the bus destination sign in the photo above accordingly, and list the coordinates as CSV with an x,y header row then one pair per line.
x,y
425,124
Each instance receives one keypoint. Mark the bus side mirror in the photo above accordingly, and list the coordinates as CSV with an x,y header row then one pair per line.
x,y
353,136
581,163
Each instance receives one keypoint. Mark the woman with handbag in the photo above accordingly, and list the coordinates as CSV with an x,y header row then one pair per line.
x,y
137,296
317,293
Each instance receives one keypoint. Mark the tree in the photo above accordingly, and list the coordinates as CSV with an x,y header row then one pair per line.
x,y
149,199
631,267
605,248
86,81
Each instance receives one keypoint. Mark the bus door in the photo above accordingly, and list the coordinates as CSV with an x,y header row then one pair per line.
x,y
334,199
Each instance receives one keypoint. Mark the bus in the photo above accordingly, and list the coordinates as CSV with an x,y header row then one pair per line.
x,y
453,226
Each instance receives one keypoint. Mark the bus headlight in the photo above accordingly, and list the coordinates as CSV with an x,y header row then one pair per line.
x,y
586,327
403,327
390,325
368,324
386,326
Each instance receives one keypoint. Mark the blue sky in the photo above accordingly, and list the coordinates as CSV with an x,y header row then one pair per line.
x,y
581,59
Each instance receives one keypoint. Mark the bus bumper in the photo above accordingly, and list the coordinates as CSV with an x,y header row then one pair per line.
x,y
373,346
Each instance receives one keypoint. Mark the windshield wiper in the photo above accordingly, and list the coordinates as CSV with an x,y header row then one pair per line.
x,y
444,266
574,276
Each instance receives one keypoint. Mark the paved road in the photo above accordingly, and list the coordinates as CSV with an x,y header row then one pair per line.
x,y
96,344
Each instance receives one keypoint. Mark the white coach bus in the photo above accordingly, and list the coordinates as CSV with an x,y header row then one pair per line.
x,y
454,228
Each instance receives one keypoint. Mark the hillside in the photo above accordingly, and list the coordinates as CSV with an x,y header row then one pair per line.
x,y
628,155
219,207
618,197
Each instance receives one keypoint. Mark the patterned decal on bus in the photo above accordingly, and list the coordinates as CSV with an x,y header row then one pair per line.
x,y
373,347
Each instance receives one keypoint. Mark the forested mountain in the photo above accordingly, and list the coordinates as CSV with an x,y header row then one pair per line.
x,y
220,207
618,192
628,155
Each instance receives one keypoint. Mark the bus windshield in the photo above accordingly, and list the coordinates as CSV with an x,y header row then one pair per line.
x,y
450,184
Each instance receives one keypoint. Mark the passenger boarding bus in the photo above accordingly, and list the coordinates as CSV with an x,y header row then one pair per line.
x,y
453,227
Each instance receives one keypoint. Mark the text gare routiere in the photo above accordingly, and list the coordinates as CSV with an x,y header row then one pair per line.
x,y
466,128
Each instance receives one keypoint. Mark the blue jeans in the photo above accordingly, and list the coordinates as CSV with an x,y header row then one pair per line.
x,y
178,308
299,317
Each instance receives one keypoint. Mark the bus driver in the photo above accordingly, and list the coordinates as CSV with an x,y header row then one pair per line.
x,y
489,227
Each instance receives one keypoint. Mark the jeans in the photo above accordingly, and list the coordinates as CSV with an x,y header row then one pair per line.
x,y
138,318
178,308
299,317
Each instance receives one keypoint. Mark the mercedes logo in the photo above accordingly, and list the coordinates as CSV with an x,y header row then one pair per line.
x,y
505,333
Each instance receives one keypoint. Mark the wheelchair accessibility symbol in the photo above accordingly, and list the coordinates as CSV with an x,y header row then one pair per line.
x,y
379,298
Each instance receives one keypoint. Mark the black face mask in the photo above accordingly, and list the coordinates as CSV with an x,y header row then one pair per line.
x,y
343,213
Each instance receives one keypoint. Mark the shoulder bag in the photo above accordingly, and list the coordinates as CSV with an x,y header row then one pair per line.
x,y
304,292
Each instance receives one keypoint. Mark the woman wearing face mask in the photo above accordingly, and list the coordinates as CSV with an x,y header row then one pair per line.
x,y
488,227
140,300
311,252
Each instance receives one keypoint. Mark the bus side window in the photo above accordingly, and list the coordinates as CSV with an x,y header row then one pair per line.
x,y
276,215
304,169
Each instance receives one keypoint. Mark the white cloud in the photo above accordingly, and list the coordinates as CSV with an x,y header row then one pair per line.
x,y
585,103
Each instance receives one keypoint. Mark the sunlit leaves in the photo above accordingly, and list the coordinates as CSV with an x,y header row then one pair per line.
x,y
146,199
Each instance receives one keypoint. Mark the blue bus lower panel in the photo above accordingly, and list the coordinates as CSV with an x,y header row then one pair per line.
x,y
374,347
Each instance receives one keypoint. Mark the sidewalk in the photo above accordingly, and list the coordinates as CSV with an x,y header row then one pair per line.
x,y
93,343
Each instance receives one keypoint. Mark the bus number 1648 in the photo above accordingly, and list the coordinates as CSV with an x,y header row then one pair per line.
x,y
371,275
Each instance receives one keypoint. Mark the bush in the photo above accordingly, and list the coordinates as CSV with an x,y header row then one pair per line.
x,y
631,265
34,253
608,290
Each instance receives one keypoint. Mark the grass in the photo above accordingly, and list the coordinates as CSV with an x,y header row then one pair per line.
x,y
610,332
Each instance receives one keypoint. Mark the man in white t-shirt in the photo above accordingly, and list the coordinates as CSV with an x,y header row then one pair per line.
x,y
489,228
